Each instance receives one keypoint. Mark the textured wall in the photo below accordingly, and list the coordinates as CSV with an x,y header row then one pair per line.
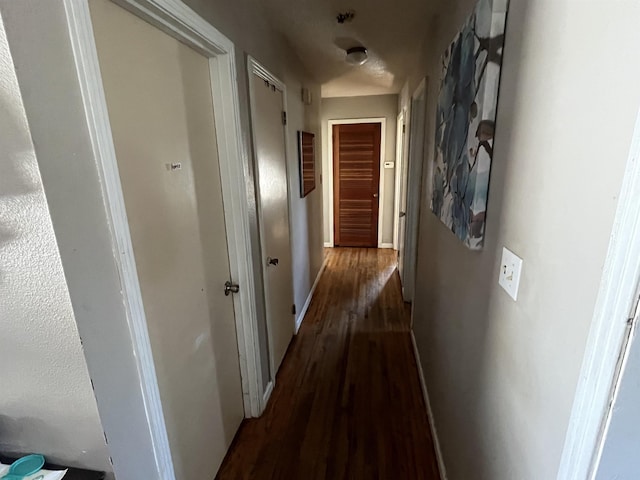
x,y
336,108
46,401
502,374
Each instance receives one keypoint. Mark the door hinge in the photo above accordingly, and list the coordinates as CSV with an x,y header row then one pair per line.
x,y
284,117
293,309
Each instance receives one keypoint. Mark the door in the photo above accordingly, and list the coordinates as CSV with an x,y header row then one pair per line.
x,y
413,189
401,189
271,163
356,183
158,94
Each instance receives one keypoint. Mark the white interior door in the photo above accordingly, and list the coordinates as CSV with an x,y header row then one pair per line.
x,y
158,94
401,189
417,128
271,170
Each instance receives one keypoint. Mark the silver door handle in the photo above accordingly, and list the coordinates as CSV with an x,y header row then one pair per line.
x,y
230,288
375,195
402,214
272,261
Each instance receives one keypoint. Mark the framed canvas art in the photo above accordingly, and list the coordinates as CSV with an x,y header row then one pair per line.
x,y
307,159
465,122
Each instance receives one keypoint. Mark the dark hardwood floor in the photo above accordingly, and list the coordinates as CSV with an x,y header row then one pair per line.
x,y
347,402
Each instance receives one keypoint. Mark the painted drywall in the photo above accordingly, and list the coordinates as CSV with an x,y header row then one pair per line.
x,y
338,108
47,404
619,459
501,375
248,28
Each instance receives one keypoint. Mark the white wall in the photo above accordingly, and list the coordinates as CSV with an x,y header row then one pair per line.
x,y
502,374
47,404
248,29
337,108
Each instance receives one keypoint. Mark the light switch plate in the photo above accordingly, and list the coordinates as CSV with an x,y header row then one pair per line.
x,y
510,269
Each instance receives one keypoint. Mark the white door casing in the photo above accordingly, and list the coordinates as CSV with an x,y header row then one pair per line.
x,y
133,375
158,94
267,98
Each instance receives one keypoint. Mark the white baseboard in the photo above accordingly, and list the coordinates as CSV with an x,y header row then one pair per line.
x,y
267,393
385,245
328,244
303,312
425,394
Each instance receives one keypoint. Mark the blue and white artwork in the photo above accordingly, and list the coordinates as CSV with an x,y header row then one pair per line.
x,y
465,122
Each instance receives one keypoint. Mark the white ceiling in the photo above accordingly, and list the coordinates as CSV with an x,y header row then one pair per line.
x,y
391,30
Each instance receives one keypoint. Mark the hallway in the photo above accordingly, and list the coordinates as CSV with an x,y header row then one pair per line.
x,y
347,402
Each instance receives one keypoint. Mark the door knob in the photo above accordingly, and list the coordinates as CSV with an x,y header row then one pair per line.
x,y
375,195
272,261
402,214
230,288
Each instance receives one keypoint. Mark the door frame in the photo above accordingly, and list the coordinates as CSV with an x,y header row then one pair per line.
x,y
176,19
383,133
401,134
606,344
256,68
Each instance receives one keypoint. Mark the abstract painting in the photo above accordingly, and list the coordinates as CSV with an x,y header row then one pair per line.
x,y
465,122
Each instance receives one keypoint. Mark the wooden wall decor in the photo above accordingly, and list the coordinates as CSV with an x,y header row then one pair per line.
x,y
307,158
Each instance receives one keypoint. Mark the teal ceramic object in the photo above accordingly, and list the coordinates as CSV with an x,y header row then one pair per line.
x,y
24,467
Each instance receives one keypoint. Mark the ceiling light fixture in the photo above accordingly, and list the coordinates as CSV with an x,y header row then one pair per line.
x,y
357,55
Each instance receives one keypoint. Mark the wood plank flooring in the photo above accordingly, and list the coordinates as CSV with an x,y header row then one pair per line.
x,y
347,402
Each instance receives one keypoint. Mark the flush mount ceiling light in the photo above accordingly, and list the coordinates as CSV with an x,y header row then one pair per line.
x,y
357,55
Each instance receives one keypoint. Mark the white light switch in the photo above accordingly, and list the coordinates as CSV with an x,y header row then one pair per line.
x,y
510,268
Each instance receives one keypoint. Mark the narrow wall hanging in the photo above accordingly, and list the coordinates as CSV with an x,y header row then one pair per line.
x,y
465,122
307,161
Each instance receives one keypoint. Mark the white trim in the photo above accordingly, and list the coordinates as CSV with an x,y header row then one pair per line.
x,y
268,391
385,245
381,189
305,307
255,68
413,193
179,21
399,160
328,245
613,306
93,99
432,425
182,23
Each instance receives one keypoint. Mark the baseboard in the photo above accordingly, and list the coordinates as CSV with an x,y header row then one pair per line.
x,y
303,312
267,393
425,394
328,244
385,245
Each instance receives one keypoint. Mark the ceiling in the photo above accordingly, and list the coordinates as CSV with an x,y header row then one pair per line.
x,y
392,30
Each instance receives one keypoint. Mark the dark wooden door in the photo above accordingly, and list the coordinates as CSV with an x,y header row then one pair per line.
x,y
356,179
